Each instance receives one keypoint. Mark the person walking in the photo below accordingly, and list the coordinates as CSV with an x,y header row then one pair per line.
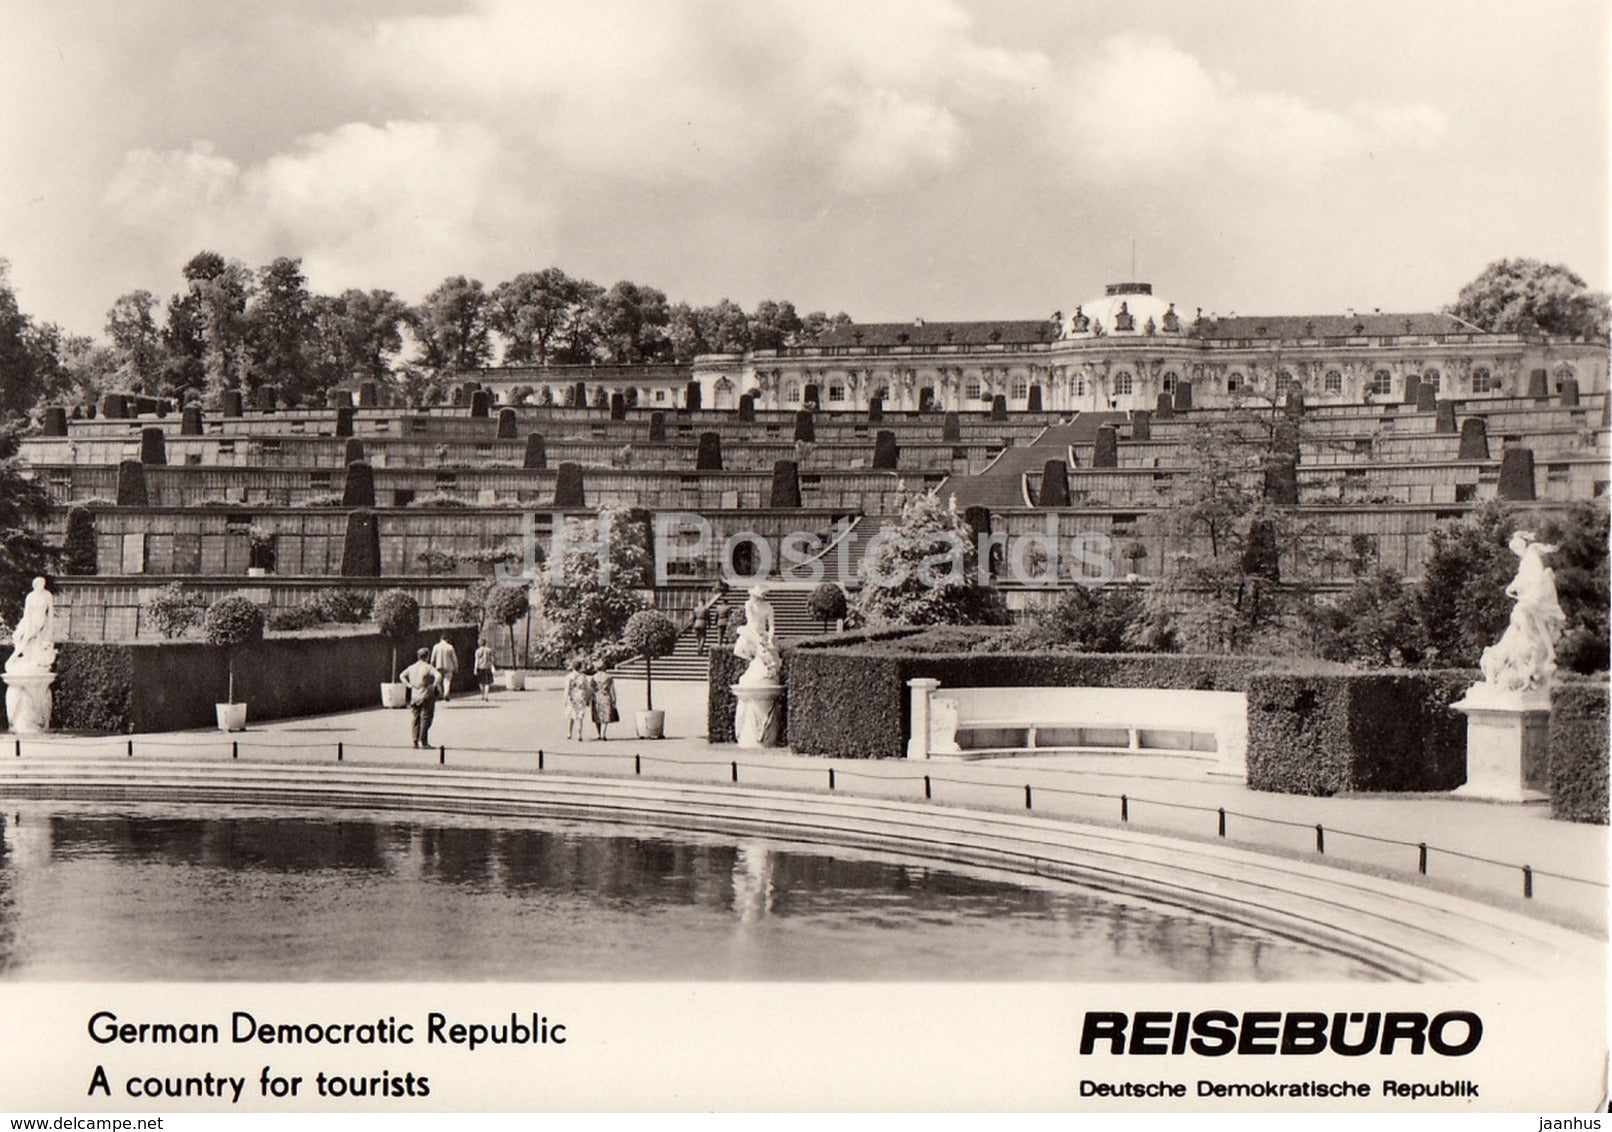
x,y
604,701
483,668
445,659
701,623
423,683
578,702
724,619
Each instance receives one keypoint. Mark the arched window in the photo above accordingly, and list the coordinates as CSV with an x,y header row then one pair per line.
x,y
1077,385
1020,389
1124,383
836,392
1333,382
792,393
1169,382
882,393
1234,382
1284,381
971,389
1563,373
1432,377
1482,380
1382,383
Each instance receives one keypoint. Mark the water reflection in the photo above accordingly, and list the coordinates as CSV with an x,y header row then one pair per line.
x,y
177,892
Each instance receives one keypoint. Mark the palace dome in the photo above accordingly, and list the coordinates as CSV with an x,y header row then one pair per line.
x,y
1124,310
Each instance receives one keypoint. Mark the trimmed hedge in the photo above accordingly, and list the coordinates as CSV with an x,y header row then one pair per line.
x,y
137,688
1578,752
1350,731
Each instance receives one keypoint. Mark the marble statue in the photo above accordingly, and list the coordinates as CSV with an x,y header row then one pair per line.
x,y
1525,656
757,640
33,641
28,674
755,717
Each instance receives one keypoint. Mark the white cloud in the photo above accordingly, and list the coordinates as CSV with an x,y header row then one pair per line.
x,y
359,203
1145,108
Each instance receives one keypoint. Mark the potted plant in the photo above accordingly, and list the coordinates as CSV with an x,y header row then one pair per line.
x,y
260,541
827,603
507,605
397,616
649,634
229,624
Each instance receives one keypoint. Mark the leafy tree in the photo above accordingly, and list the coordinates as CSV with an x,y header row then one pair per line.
x,y
280,330
579,337
507,604
176,610
723,328
532,312
632,321
1090,618
827,603
24,509
1376,623
924,571
774,325
1525,295
131,324
230,623
29,366
397,616
223,299
650,634
452,328
817,322
584,601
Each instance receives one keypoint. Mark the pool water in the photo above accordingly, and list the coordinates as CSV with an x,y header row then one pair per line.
x,y
130,891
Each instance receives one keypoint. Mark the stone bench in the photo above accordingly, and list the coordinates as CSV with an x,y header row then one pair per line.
x,y
987,722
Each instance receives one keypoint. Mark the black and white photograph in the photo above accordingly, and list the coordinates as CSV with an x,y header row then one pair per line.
x,y
763,556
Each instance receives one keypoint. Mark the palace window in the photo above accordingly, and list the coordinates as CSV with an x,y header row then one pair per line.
x,y
971,390
882,393
1124,383
1333,382
1382,383
1432,377
836,393
1284,381
792,393
1078,385
1169,380
1234,382
660,396
1482,380
1021,388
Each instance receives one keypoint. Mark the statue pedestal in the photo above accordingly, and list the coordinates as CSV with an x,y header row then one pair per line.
x,y
28,701
757,722
1507,744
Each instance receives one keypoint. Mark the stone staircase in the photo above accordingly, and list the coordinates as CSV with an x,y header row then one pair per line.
x,y
687,662
1000,486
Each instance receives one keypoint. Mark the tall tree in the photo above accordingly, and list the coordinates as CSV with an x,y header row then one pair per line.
x,y
720,329
280,330
358,334
817,321
23,370
774,325
633,321
222,299
131,324
451,326
24,508
1525,295
532,311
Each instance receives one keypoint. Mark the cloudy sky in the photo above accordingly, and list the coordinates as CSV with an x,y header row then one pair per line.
x,y
893,158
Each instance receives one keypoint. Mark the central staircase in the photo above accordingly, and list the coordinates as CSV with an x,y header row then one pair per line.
x,y
688,662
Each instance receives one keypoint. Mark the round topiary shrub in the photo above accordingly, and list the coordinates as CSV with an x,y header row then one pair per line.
x,y
294,617
230,623
397,616
343,607
507,605
827,603
649,633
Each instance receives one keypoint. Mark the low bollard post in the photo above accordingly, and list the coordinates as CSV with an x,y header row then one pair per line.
x,y
1320,839
735,768
1527,882
1027,795
1222,821
1421,858
442,756
638,764
831,778
338,750
1124,808
131,748
234,748
19,747
928,790
540,758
